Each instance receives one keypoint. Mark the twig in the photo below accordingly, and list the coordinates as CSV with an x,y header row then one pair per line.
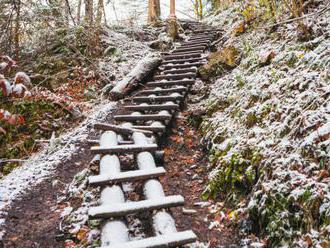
x,y
4,161
322,11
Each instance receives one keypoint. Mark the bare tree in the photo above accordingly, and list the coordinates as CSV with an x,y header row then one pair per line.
x,y
89,12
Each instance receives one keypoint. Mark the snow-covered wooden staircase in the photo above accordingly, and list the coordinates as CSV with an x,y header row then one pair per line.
x,y
151,111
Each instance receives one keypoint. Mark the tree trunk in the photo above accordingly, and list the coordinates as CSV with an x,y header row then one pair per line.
x,y
153,10
89,12
79,11
17,5
99,15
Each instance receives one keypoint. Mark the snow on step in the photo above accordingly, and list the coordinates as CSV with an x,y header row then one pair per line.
x,y
172,82
119,129
146,117
170,240
122,209
154,107
123,149
172,97
127,176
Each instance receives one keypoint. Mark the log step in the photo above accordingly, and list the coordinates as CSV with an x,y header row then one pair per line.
x,y
157,98
152,107
199,40
180,56
119,129
174,52
163,91
124,149
179,71
156,129
206,30
194,43
149,117
123,209
127,176
178,66
171,83
176,239
193,48
176,76
182,61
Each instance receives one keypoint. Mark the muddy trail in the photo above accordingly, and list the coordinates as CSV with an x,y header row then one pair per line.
x,y
173,178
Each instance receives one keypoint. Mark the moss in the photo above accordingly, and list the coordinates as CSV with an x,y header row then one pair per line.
x,y
236,175
251,119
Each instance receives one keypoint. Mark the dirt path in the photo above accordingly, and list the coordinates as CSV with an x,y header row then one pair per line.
x,y
185,163
32,220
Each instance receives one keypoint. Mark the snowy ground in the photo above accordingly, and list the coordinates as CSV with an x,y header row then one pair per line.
x,y
43,164
275,118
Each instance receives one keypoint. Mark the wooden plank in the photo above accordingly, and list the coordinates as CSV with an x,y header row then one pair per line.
x,y
156,129
188,65
189,49
174,52
176,76
179,71
171,83
127,176
163,90
178,61
152,107
157,98
180,56
124,149
119,129
123,209
161,241
189,44
150,117
97,142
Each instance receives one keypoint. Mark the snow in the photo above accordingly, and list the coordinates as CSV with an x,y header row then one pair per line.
x,y
289,98
163,223
43,165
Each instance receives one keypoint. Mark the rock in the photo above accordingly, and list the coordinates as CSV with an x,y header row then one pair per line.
x,y
266,57
220,61
110,50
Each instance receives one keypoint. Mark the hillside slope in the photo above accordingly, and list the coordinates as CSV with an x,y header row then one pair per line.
x,y
267,121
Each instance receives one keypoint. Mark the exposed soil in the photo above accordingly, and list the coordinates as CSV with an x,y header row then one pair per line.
x,y
186,166
32,221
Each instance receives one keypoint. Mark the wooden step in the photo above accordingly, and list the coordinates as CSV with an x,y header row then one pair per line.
x,y
157,98
171,83
180,56
127,176
176,239
149,117
189,49
199,40
182,61
163,90
123,209
156,129
189,44
174,52
179,71
206,30
124,149
176,76
188,65
152,107
119,129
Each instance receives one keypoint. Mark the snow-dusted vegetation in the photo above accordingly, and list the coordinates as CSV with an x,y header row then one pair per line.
x,y
267,121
